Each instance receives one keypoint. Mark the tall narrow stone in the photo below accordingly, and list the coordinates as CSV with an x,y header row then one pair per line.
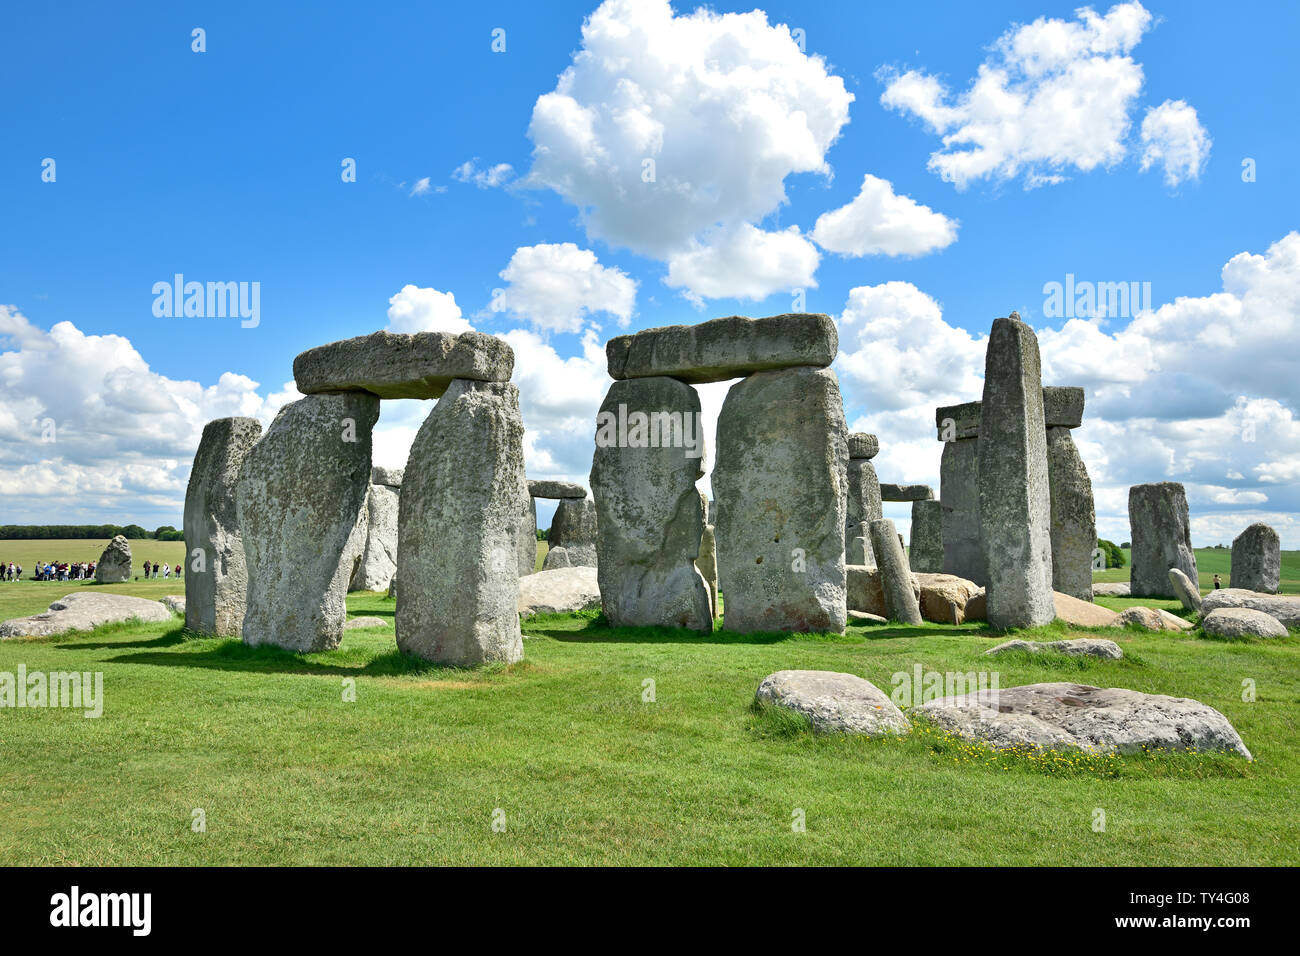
x,y
1257,560
378,560
780,479
300,491
959,509
649,517
926,554
458,528
1161,533
1014,495
896,580
572,537
863,501
1074,518
707,562
216,579
526,538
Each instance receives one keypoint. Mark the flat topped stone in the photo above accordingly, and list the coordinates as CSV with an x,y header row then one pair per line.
x,y
1066,716
1242,622
727,348
1062,408
85,611
863,445
1284,607
392,477
835,702
1078,647
906,492
396,365
546,488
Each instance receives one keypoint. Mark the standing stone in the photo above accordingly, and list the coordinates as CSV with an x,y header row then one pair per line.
x,y
526,539
1014,495
896,580
378,559
300,491
926,555
1162,538
1257,560
707,562
862,503
1189,595
216,580
959,506
573,535
780,474
458,529
114,565
1074,518
857,551
649,518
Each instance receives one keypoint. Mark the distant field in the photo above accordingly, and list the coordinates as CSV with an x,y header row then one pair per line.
x,y
27,553
1212,561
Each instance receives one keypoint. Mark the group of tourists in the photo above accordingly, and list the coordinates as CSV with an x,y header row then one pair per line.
x,y
160,570
50,571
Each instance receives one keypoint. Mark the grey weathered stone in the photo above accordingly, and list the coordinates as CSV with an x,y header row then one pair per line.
x,y
926,553
780,473
863,446
549,488
857,550
365,621
85,610
572,534
559,591
959,503
957,422
1257,560
1111,589
216,586
944,598
722,349
1078,647
834,702
392,477
862,504
397,365
299,495
649,516
526,536
1188,593
1073,515
1014,494
890,492
896,581
1072,610
1065,716
175,603
1062,406
114,564
458,529
377,562
1161,536
1286,608
1143,617
707,563
866,592
1242,622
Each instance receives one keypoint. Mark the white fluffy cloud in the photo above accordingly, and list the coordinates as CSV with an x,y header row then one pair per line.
x,y
414,309
1173,137
553,286
666,128
1054,96
744,262
1196,391
880,222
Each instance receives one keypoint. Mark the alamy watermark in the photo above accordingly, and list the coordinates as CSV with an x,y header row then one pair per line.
x,y
919,686
1090,300
639,429
211,300
75,690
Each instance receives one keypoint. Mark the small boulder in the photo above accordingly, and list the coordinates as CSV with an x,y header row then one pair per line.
x,y
357,623
1186,592
1242,622
1078,647
175,603
944,597
1144,617
1081,613
834,702
559,591
1111,589
84,611
1285,608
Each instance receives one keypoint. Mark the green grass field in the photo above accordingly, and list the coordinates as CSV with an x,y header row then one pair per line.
x,y
1212,561
27,553
584,770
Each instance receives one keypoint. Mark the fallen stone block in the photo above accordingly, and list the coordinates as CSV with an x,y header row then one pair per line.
x,y
834,702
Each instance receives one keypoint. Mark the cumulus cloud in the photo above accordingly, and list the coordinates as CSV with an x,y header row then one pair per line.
x,y
554,286
414,309
666,128
880,222
490,178
744,262
1054,96
1173,137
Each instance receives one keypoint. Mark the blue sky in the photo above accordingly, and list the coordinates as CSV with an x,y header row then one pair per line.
x,y
225,165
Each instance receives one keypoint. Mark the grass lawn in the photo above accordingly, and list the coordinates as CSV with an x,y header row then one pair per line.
x,y
1212,561
585,771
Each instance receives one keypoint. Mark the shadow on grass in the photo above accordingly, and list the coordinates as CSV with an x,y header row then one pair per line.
x,y
234,655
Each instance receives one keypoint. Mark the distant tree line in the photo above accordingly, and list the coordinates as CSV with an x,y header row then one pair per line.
x,y
1113,552
32,532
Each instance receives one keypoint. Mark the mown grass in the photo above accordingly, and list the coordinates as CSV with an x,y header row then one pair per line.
x,y
585,769
1212,561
